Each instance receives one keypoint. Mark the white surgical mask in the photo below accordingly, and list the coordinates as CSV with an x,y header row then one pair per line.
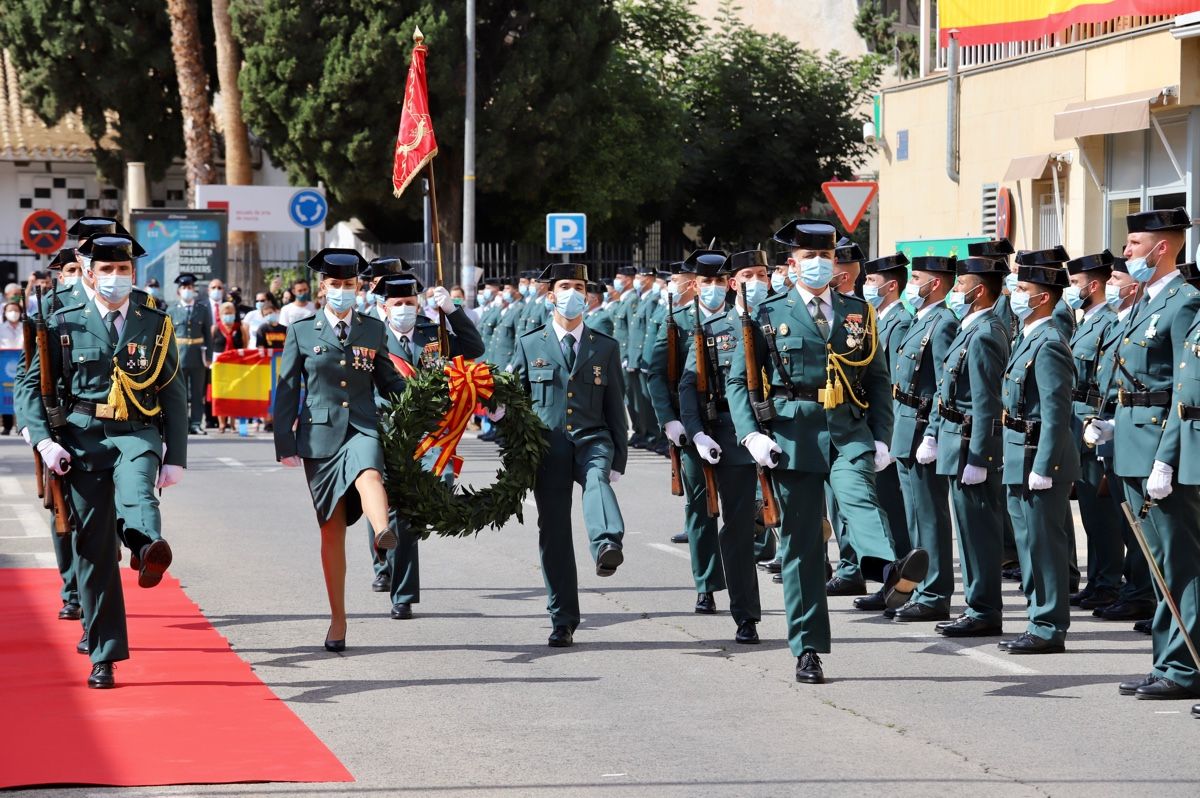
x,y
114,287
1010,281
1112,295
569,303
402,317
70,280
187,294
216,294
815,272
778,283
339,299
13,315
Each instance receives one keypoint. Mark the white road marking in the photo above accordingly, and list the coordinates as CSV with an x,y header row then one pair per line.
x,y
674,551
231,462
991,660
1166,712
10,486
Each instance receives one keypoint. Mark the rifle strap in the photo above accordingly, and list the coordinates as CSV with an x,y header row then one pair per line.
x,y
768,331
716,387
954,372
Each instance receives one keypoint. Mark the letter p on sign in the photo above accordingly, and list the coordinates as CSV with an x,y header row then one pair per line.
x,y
566,233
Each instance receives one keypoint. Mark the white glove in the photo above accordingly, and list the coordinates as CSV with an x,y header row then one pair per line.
x,y
1158,484
441,298
1039,482
497,414
675,432
25,435
1097,432
973,475
169,475
614,477
883,456
707,448
291,462
56,458
927,451
763,449
508,369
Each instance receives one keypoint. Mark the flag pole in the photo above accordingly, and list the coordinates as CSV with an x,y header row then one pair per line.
x,y
443,334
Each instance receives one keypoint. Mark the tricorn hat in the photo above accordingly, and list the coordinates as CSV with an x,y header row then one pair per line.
x,y
340,264
935,263
1053,275
1190,272
627,271
1055,256
1102,260
566,271
999,248
749,259
399,285
981,266
806,234
111,247
1158,221
186,278
381,267
88,226
706,262
847,251
65,257
886,264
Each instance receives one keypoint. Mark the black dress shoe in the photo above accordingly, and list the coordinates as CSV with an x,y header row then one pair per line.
x,y
82,646
747,633
335,646
489,436
679,537
966,626
1131,687
1196,710
382,583
1145,627
401,611
102,676
195,430
913,611
705,605
135,562
1011,572
890,613
155,559
902,577
871,603
1164,690
386,540
777,578
560,638
1126,611
1102,597
937,627
773,566
70,611
808,668
1075,598
607,559
844,587
1032,644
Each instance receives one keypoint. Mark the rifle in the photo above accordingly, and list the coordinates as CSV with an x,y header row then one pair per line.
x,y
30,332
1135,525
708,409
764,412
55,499
673,386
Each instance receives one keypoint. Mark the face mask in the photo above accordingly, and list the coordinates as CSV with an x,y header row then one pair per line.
x,y
70,280
713,296
638,284
568,303
1073,297
673,290
1010,282
1140,269
778,283
619,284
402,317
114,287
360,301
13,315
488,295
272,318
458,301
756,292
815,272
259,305
912,292
655,290
339,299
304,296
1019,301
872,295
958,303
152,291
187,295
228,318
216,294
1112,296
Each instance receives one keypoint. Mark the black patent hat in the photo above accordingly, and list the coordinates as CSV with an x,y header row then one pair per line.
x,y
110,248
65,257
1158,221
1052,275
847,251
88,226
981,266
1102,260
706,263
806,234
381,267
340,264
399,285
886,264
566,271
999,249
1055,256
935,263
749,259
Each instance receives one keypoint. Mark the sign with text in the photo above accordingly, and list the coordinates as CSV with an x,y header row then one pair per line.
x,y
9,360
266,209
179,242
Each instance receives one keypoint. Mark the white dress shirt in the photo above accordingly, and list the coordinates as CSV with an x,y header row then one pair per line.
x,y
561,332
825,298
334,321
119,323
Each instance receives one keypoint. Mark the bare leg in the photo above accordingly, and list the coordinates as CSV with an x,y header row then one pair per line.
x,y
333,562
373,498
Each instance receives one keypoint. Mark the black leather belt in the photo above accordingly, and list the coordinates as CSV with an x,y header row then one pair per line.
x,y
1143,398
1021,425
952,415
1092,399
104,412
795,393
911,400
1189,412
1110,406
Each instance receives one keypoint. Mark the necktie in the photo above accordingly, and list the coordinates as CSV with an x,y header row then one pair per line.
x,y
568,349
819,318
341,331
406,345
110,320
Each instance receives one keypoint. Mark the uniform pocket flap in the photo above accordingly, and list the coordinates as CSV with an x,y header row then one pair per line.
x,y
317,415
541,375
86,355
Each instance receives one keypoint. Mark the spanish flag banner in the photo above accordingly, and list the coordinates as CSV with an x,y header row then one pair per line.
x,y
995,21
242,383
415,142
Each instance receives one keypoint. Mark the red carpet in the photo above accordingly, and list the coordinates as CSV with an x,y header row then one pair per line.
x,y
186,709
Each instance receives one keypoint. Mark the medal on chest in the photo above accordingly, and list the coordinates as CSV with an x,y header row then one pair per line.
x,y
364,358
596,375
854,329
1152,328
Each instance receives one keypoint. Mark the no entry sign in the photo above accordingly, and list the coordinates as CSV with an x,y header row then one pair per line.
x,y
44,231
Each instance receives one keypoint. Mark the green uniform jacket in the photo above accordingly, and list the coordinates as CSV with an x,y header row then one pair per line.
x,y
487,328
1064,320
465,341
1008,319
1038,382
535,314
892,329
804,429
1153,345
723,336
341,380
666,402
638,321
622,311
970,383
916,366
193,332
654,321
1187,394
586,404
504,337
1106,375
1086,347
599,319
94,443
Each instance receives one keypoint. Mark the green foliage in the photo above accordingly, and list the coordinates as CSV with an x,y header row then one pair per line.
x,y
876,29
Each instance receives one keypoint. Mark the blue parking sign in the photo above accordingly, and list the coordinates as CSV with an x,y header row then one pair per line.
x,y
566,233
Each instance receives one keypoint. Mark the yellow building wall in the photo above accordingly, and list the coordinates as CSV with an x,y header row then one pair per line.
x,y
1008,113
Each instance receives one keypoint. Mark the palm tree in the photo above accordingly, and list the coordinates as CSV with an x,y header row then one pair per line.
x,y
243,246
193,94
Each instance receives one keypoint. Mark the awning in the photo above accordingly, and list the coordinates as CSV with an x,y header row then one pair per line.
x,y
1122,114
1027,167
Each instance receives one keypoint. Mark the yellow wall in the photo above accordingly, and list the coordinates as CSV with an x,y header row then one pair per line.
x,y
1009,113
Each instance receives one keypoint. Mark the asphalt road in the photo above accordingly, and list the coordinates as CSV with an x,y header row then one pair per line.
x,y
466,699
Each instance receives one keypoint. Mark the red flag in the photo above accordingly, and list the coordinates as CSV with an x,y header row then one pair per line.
x,y
415,143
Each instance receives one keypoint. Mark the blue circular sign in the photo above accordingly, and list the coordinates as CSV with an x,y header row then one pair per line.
x,y
308,208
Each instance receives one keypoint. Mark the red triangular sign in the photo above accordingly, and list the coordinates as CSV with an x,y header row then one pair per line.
x,y
850,200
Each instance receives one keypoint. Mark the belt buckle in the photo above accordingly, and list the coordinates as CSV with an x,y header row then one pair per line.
x,y
1004,417
1179,409
895,391
105,412
1121,394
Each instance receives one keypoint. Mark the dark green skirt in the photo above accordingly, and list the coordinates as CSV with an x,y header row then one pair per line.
x,y
332,478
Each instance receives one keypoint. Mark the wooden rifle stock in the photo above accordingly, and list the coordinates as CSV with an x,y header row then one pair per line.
x,y
708,409
673,388
763,412
30,333
54,497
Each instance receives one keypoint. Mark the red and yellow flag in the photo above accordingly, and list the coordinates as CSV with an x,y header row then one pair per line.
x,y
415,143
994,21
241,383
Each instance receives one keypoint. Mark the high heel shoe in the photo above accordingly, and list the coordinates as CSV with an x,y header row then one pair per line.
x,y
335,646
386,540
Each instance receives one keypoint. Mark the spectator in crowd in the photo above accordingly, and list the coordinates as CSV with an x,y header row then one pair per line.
x,y
275,289
228,333
270,335
154,289
12,336
216,296
459,297
39,279
12,293
254,318
301,307
287,298
235,296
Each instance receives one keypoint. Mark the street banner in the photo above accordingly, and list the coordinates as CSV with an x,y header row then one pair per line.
x,y
415,143
180,241
997,21
243,382
10,359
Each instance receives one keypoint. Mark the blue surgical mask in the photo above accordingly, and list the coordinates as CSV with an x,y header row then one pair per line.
x,y
912,293
1019,302
228,318
619,284
778,283
872,295
360,301
713,296
272,318
1010,282
1140,269
1073,297
114,287
187,294
756,292
673,290
216,294
152,290
402,317
489,294
259,306
1112,296
655,290
958,303
569,303
816,272
70,280
339,299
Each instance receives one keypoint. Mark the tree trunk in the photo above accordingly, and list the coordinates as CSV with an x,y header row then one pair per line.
x,y
245,269
187,49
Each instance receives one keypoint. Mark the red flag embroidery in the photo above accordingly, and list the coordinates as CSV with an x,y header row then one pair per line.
x,y
415,143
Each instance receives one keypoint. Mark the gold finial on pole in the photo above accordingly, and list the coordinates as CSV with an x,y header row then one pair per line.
x,y
418,37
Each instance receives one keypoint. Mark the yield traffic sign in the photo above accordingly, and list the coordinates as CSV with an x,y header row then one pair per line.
x,y
850,200
44,231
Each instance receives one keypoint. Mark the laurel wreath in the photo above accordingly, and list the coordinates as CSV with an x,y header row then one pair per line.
x,y
422,497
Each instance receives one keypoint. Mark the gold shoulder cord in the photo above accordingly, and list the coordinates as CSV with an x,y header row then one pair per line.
x,y
837,383
124,385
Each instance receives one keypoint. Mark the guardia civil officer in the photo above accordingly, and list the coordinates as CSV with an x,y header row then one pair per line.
x,y
504,336
574,376
645,434
341,355
113,364
597,316
193,333
622,312
1151,362
1041,459
822,430
970,455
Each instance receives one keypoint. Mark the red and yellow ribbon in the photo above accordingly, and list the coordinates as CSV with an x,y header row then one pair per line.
x,y
469,383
